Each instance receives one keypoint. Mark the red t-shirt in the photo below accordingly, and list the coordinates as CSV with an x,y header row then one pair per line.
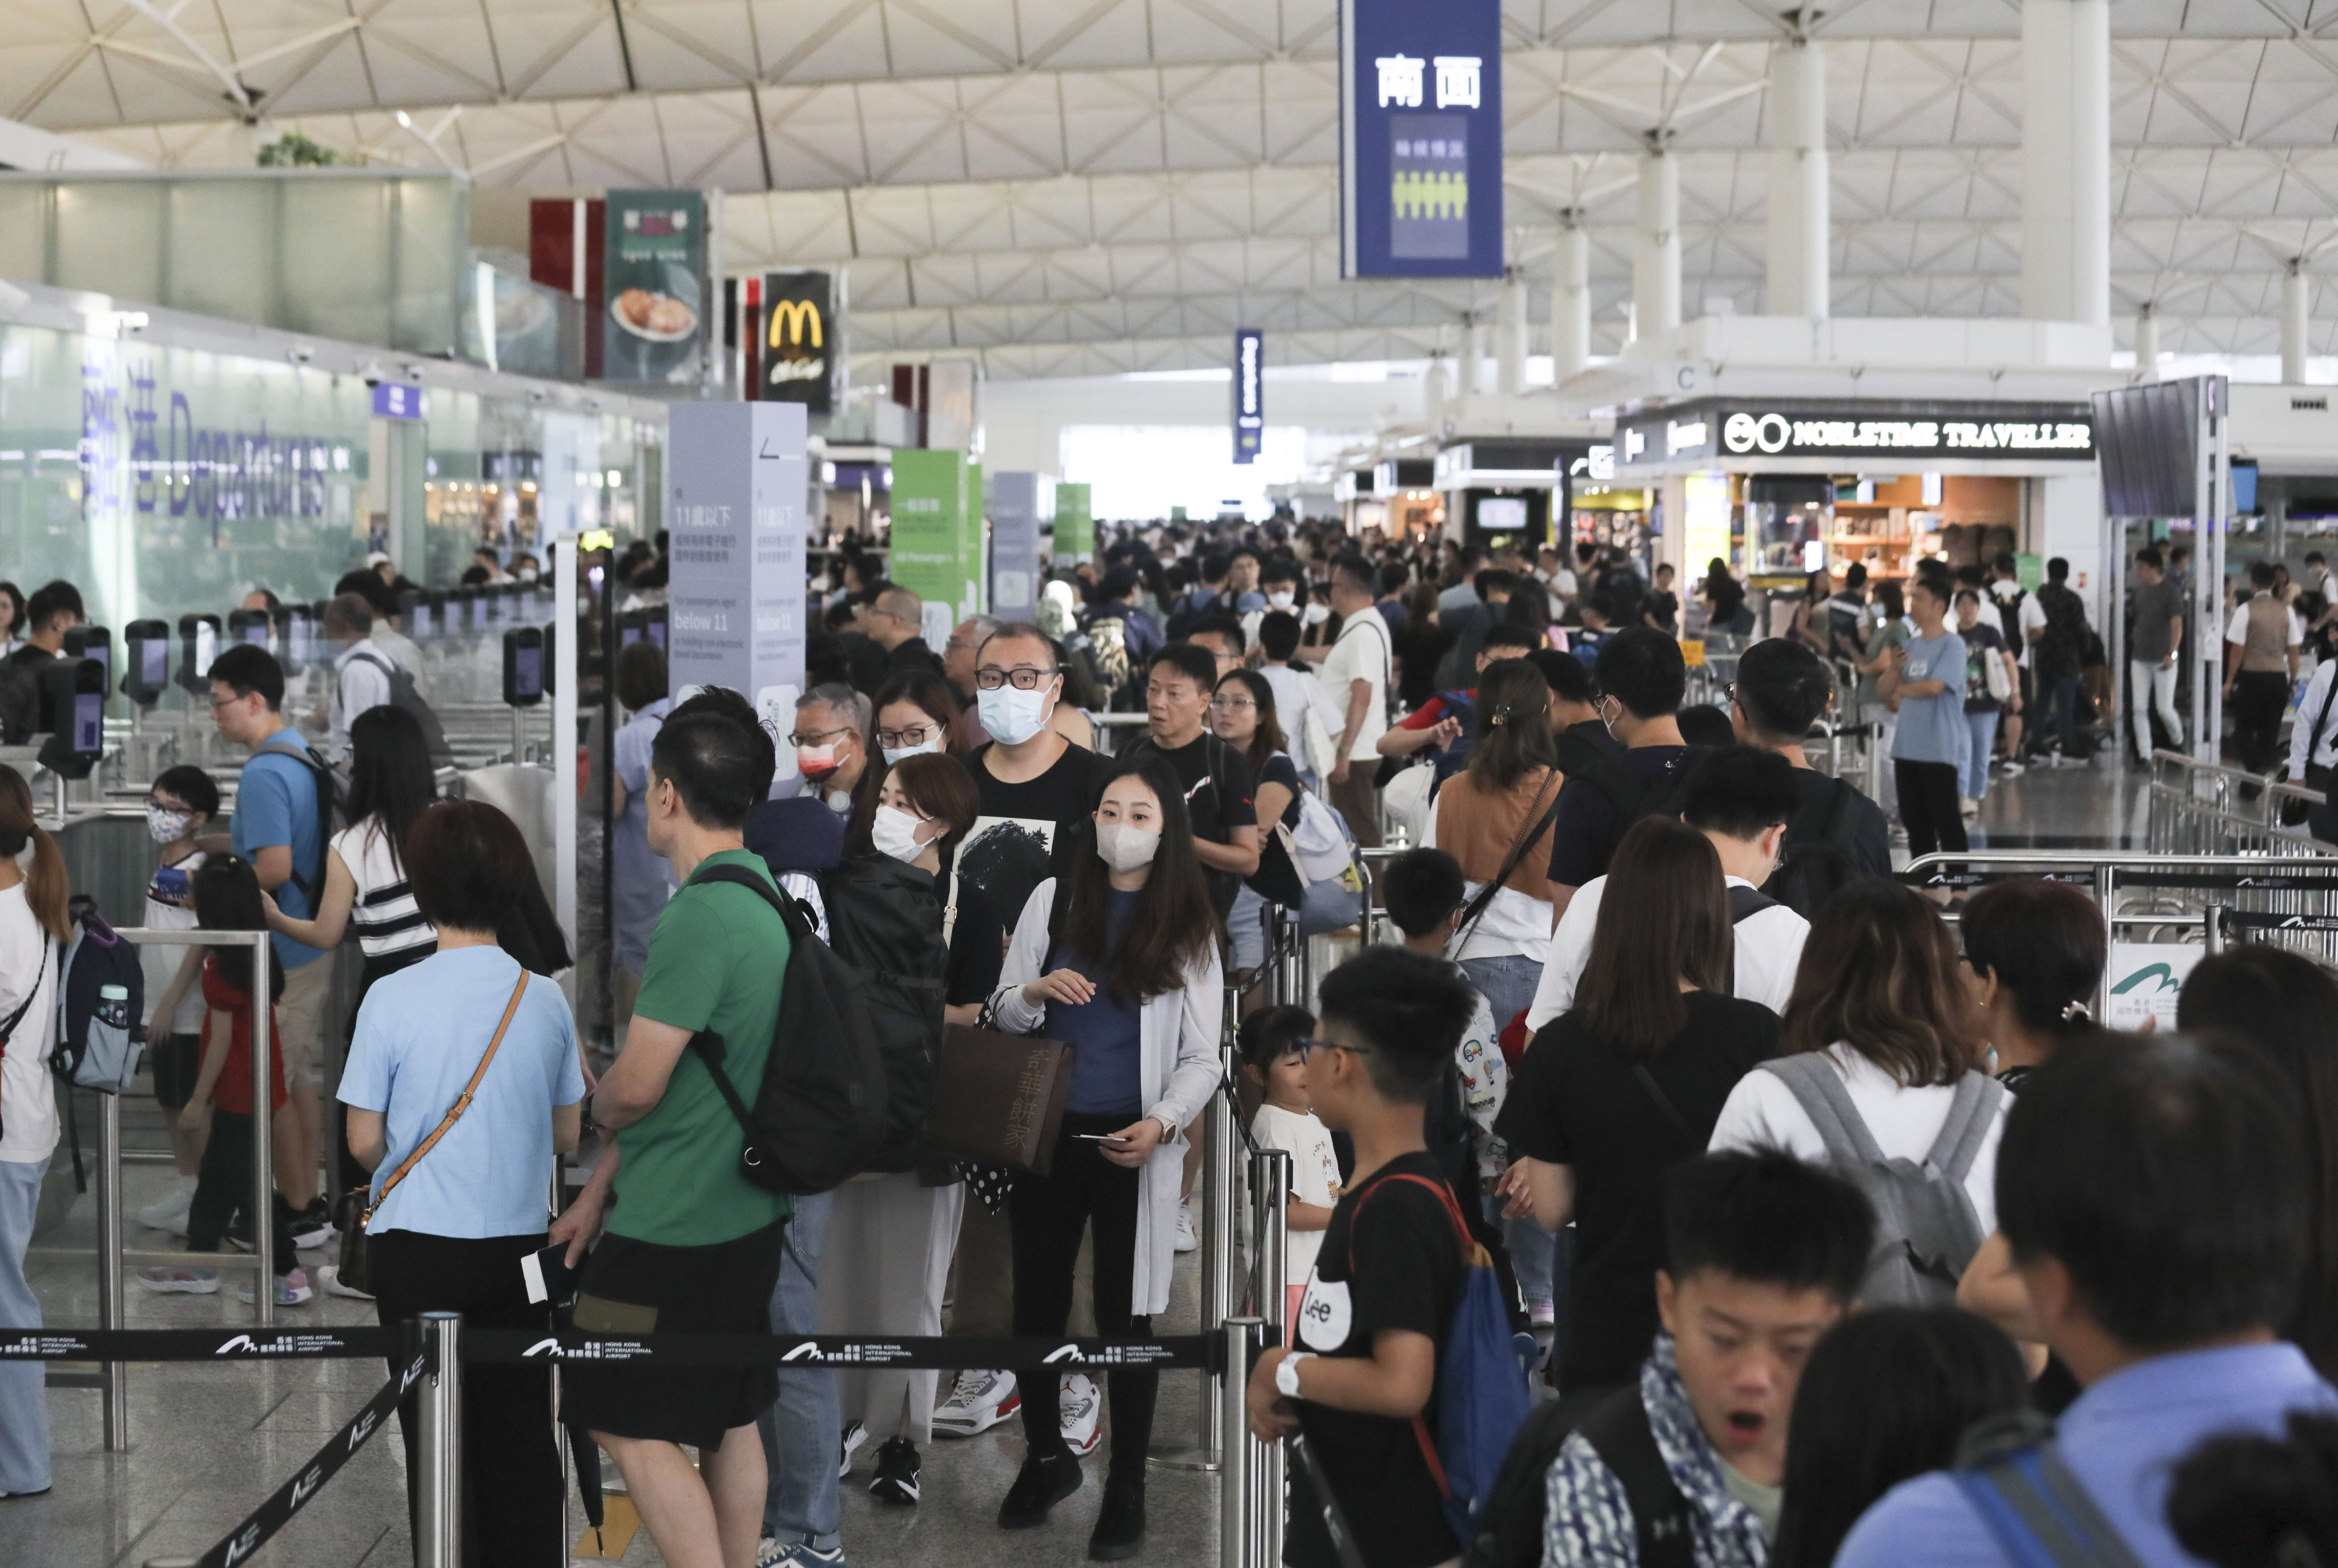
x,y
233,1091
1426,716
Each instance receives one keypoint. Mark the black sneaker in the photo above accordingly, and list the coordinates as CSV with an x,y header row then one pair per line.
x,y
1119,1530
897,1473
1044,1480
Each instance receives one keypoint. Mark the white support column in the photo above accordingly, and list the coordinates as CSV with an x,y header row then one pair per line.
x,y
1510,335
1656,246
2146,341
1432,393
1570,301
2297,298
1799,210
2066,161
1466,383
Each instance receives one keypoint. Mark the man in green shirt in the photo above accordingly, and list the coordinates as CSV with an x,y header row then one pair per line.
x,y
692,1246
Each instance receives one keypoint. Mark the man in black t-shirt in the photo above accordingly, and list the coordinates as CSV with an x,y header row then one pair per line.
x,y
1218,787
1575,723
1641,678
1837,835
1377,1308
1036,788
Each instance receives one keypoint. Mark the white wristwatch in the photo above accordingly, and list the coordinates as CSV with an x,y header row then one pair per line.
x,y
1286,1373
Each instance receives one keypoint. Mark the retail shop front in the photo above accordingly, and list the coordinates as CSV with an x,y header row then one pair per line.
x,y
1503,492
1779,489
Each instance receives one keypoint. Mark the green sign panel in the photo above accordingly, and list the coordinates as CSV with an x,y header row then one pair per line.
x,y
1075,527
2030,571
935,550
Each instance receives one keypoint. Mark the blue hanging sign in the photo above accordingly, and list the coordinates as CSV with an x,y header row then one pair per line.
x,y
1250,374
396,400
1420,139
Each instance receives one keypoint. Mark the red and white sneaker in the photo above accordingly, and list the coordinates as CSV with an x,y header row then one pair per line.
x,y
980,1401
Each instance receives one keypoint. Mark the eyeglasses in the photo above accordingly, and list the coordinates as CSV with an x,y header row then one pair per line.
x,y
917,735
1307,1046
220,702
1232,704
1023,677
819,737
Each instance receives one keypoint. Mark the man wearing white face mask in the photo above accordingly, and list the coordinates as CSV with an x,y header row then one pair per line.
x,y
1032,781
831,743
1284,592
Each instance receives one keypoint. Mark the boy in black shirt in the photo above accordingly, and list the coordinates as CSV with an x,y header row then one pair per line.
x,y
1218,792
1375,1315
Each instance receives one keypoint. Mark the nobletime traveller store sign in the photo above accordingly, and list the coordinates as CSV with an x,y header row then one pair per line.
x,y
1420,139
1734,434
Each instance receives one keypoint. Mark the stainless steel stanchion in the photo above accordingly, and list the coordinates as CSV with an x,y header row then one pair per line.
x,y
1269,1185
263,1131
1218,1178
1285,932
439,1458
2106,894
1237,1525
109,1266
2214,929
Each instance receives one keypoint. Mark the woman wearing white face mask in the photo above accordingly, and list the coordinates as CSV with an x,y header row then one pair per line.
x,y
1125,971
886,1258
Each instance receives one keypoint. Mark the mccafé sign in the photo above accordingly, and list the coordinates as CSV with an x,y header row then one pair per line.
x,y
798,343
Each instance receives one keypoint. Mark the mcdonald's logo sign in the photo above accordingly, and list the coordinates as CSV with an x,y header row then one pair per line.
x,y
794,321
798,340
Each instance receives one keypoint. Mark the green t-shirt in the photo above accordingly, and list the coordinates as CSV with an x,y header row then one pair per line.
x,y
716,957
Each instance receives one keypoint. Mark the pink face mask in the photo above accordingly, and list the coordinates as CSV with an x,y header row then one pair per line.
x,y
816,762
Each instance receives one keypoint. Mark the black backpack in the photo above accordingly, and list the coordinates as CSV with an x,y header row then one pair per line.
x,y
1616,1424
1818,863
819,1114
2061,652
884,919
405,694
1660,796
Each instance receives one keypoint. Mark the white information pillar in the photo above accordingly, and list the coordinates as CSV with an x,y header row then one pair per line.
x,y
2296,299
1570,301
735,506
1798,179
1656,247
2146,341
2066,161
1466,385
1510,335
1019,502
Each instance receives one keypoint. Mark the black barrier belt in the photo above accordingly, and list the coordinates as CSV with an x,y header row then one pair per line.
x,y
201,1344
2265,920
301,1490
1200,1351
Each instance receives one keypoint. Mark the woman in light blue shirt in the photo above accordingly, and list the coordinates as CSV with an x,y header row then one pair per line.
x,y
1925,682
448,1230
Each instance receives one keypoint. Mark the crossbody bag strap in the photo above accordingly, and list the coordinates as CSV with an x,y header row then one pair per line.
x,y
455,1111
8,1030
2321,721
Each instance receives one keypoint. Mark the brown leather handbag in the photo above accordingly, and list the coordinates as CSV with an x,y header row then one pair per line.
x,y
999,1098
356,1209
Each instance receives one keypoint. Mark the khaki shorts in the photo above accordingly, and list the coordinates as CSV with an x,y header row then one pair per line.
x,y
300,1019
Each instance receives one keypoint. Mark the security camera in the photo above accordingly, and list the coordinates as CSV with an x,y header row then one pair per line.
x,y
301,353
373,373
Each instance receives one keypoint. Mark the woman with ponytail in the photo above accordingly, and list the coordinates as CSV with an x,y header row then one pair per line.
x,y
33,923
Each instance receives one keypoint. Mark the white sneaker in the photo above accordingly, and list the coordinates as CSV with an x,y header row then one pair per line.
x,y
855,1436
180,1281
1542,1314
329,1275
169,1214
1081,1405
1186,1240
980,1401
1968,806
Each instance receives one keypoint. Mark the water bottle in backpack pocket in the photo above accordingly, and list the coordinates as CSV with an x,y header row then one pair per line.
x,y
101,993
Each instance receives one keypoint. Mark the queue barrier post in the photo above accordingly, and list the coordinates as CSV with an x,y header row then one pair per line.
x,y
1219,1176
1270,1223
1238,1477
438,1485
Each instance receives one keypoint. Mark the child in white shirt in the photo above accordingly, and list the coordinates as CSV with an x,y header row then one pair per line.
x,y
1269,1041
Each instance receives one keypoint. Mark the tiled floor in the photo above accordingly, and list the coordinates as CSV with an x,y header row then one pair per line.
x,y
208,1441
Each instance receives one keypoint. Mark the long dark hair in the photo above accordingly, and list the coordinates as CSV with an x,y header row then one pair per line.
x,y
2287,1006
227,898
15,608
1879,974
1174,923
47,888
390,779
1268,737
1884,1398
1664,918
1513,727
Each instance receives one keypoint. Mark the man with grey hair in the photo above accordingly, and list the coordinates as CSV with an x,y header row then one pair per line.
x,y
891,620
831,743
360,670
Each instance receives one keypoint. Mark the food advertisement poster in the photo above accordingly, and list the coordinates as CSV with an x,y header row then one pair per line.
x,y
801,341
656,281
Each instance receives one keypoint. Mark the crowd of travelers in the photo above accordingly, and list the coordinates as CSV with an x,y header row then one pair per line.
x,y
1827,1229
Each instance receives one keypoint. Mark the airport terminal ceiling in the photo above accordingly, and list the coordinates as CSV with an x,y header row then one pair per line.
x,y
1078,187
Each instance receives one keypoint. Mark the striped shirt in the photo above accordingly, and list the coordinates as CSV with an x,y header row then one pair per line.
x,y
383,913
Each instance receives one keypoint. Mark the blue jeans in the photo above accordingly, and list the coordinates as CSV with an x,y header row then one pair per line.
x,y
1508,982
1973,776
2061,700
23,1393
1244,926
801,1430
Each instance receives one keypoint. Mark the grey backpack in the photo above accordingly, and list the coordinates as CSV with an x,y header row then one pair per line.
x,y
1926,1229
